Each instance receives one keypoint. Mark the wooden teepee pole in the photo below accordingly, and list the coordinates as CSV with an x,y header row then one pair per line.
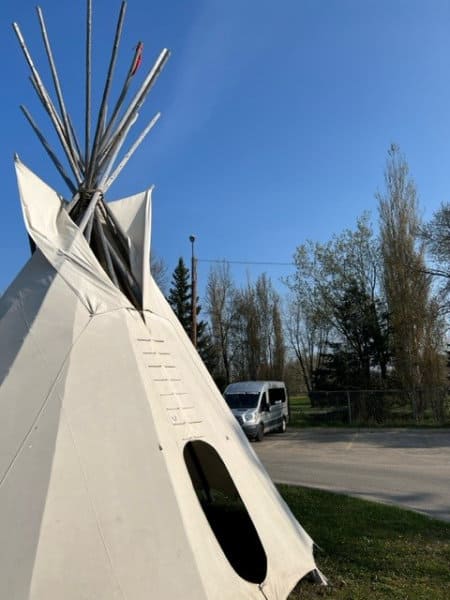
x,y
131,72
138,100
98,193
69,133
108,82
48,104
130,152
100,235
49,150
87,127
95,166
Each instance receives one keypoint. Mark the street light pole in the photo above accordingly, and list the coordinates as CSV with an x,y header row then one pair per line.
x,y
193,293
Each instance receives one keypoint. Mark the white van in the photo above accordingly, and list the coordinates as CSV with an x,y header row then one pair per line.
x,y
259,406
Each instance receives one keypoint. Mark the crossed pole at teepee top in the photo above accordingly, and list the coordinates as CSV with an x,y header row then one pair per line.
x,y
95,170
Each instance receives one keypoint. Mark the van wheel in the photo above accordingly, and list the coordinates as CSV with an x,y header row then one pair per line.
x,y
260,433
282,427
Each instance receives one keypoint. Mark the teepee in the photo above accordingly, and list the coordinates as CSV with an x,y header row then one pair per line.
x,y
123,474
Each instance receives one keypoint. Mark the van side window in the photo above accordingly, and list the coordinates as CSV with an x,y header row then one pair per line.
x,y
264,402
277,395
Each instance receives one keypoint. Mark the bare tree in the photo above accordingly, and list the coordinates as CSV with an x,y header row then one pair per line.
x,y
247,335
220,305
335,300
258,338
436,235
158,269
307,335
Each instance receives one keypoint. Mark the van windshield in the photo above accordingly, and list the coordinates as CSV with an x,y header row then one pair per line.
x,y
242,400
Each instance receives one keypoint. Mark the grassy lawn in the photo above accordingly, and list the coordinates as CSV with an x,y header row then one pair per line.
x,y
302,415
370,550
300,408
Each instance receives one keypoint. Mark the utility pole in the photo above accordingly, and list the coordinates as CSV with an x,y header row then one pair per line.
x,y
193,293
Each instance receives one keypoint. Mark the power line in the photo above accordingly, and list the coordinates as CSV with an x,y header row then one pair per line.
x,y
246,262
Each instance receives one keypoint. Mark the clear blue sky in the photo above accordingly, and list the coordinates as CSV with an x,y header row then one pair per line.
x,y
276,116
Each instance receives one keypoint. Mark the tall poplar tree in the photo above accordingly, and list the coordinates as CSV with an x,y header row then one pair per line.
x,y
407,284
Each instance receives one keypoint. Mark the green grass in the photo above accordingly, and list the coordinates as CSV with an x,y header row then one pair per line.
x,y
303,415
299,406
370,550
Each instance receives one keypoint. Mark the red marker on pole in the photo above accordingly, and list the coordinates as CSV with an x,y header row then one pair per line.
x,y
137,58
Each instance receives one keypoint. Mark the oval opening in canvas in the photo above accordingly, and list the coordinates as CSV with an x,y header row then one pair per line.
x,y
225,511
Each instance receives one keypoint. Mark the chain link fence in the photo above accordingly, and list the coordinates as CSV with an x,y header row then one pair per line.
x,y
427,406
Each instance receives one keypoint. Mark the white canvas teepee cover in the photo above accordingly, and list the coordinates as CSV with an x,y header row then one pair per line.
x,y
104,416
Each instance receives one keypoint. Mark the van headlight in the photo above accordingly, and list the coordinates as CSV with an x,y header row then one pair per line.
x,y
249,417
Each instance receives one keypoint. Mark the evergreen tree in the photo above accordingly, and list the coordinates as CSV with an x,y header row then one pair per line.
x,y
180,295
181,302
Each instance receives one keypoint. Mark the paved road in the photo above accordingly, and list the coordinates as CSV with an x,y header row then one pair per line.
x,y
410,468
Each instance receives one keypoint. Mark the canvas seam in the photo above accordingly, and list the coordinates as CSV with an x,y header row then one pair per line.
x,y
44,404
262,591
